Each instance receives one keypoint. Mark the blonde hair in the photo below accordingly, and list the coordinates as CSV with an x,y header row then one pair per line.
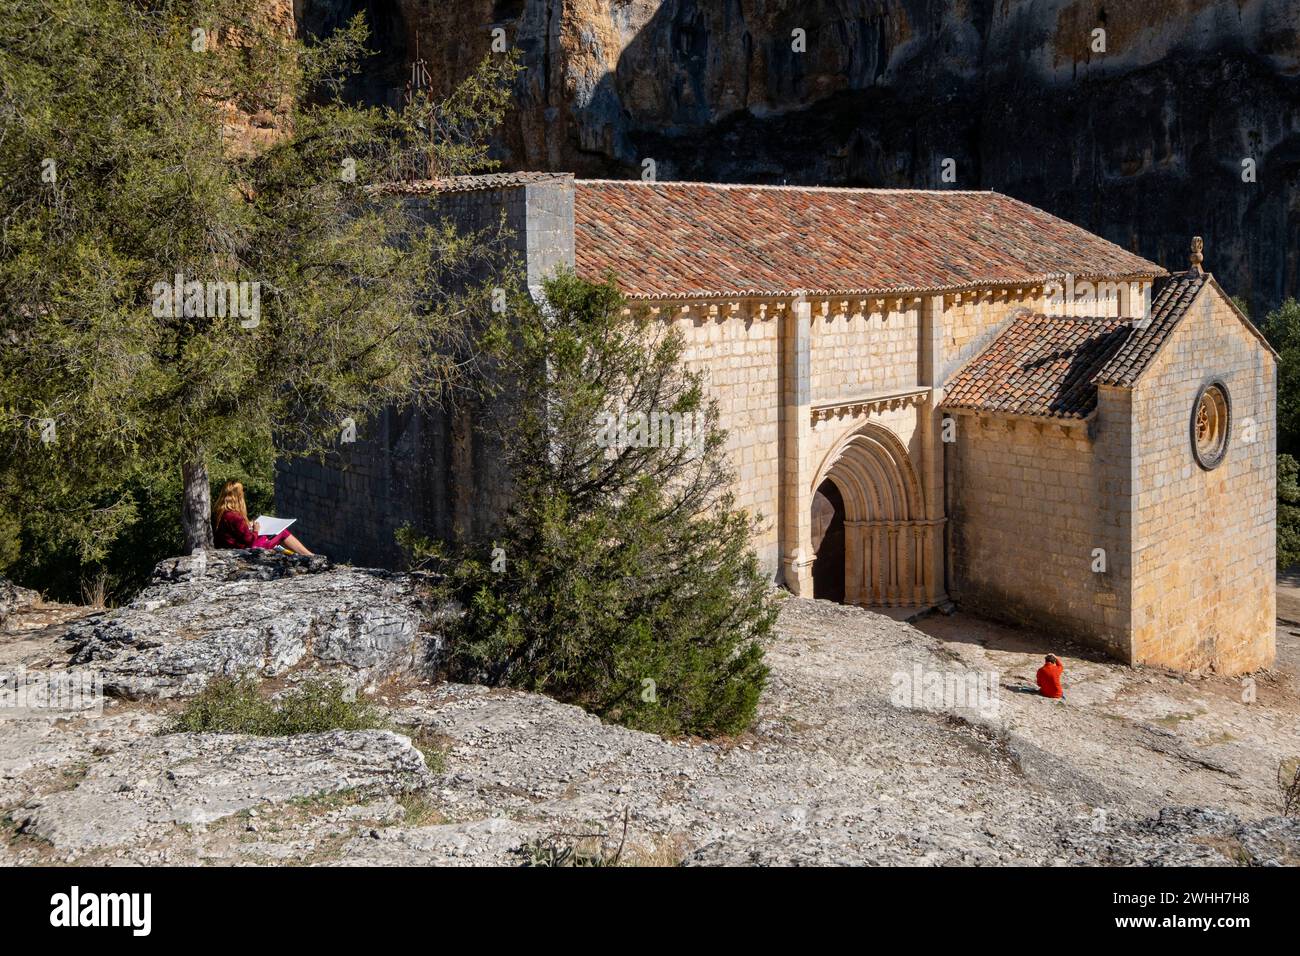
x,y
230,499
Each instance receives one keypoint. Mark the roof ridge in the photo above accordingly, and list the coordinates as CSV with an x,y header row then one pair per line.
x,y
1169,306
463,182
692,240
786,186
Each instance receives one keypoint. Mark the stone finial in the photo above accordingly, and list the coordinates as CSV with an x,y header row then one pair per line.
x,y
1196,258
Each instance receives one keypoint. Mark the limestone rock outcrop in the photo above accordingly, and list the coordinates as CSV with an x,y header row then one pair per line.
x,y
145,789
1137,768
231,612
12,598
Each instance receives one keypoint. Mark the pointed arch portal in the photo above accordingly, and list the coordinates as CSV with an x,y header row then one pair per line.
x,y
886,541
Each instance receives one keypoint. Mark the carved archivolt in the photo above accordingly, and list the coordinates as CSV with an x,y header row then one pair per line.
x,y
888,544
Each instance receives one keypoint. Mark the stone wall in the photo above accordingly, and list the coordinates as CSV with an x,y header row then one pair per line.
x,y
857,349
1189,552
863,346
429,469
741,361
1029,504
1205,540
854,351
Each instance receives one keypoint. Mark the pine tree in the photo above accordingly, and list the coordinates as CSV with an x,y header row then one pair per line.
x,y
624,580
174,295
1282,328
1288,513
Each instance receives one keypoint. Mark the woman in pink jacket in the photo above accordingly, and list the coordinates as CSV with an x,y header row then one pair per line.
x,y
231,528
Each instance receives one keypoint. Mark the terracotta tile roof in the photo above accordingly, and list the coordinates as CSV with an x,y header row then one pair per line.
x,y
464,184
1039,365
1169,304
696,240
1050,367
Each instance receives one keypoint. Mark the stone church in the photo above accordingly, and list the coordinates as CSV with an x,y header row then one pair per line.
x,y
930,396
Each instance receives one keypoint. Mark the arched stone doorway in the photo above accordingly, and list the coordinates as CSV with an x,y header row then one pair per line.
x,y
828,542
887,541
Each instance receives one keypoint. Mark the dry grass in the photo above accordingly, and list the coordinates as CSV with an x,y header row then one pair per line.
x,y
668,851
419,811
94,591
1288,785
433,746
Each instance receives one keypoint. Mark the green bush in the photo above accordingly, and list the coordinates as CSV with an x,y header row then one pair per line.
x,y
141,526
624,580
235,705
1282,328
1288,512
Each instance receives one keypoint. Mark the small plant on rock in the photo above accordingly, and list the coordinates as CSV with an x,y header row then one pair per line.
x,y
1288,785
587,849
553,853
236,705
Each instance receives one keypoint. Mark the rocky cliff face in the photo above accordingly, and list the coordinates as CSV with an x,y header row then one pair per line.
x,y
1143,142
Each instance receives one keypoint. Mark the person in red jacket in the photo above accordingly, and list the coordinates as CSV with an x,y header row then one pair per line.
x,y
231,528
1050,683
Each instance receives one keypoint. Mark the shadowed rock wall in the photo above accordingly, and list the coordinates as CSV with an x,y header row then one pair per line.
x,y
1142,143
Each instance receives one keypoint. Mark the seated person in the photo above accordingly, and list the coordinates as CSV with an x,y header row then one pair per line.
x,y
230,527
1049,677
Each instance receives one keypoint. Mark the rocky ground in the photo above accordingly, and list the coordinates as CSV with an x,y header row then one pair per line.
x,y
842,767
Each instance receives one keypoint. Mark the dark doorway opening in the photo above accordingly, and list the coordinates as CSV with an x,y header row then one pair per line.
x,y
828,542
